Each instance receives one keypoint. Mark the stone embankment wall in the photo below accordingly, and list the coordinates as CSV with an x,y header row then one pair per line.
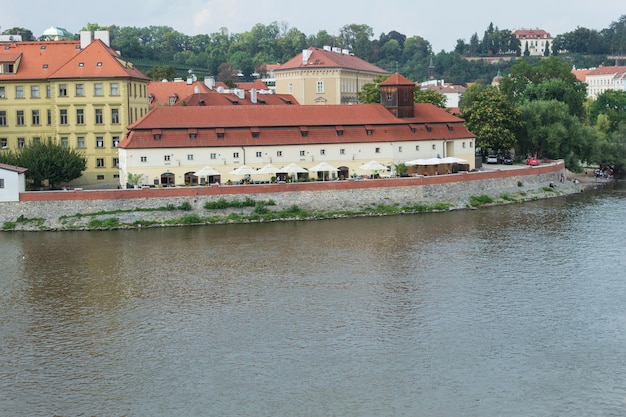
x,y
456,189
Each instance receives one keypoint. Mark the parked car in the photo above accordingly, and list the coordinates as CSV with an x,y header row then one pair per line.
x,y
532,161
492,159
507,160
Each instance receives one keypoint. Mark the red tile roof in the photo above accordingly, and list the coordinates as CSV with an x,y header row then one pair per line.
x,y
98,61
39,60
321,58
256,84
160,92
397,79
13,168
606,70
532,34
230,99
65,59
284,125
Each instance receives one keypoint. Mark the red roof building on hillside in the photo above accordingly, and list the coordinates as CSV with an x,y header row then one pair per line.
x,y
535,41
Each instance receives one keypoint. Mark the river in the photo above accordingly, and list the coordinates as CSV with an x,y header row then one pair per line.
x,y
516,310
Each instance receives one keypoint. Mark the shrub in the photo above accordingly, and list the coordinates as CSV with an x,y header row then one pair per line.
x,y
185,205
479,200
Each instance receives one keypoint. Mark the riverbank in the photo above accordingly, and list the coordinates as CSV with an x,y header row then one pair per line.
x,y
83,210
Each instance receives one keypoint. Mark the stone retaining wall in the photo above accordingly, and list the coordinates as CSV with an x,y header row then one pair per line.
x,y
456,189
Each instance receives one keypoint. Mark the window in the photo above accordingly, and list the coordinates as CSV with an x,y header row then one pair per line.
x,y
190,157
3,93
99,118
4,143
322,151
35,117
65,142
100,177
62,90
193,136
464,144
259,154
116,162
116,141
156,136
21,142
115,89
290,88
342,151
1,182
20,117
236,155
3,118
320,87
99,162
97,90
36,140
434,147
377,150
34,91
399,149
48,91
302,153
144,159
115,116
19,91
80,90
49,115
167,158
279,153
63,116
471,144
99,142
213,156
80,116
80,142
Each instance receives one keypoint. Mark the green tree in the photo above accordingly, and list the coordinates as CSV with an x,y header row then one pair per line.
x,y
612,104
370,92
51,163
612,152
26,34
429,96
158,73
491,117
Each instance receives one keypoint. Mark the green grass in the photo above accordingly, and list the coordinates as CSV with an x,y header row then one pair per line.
x,y
222,203
480,200
108,223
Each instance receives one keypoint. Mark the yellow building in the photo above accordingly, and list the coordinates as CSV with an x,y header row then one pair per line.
x,y
325,76
80,94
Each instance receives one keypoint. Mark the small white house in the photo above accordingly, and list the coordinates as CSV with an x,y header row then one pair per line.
x,y
12,182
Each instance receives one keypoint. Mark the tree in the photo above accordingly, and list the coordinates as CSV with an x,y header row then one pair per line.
x,y
51,163
370,92
612,104
158,73
429,96
492,118
26,34
612,152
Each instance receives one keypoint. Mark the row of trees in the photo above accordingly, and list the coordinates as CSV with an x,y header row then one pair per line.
x,y
542,110
224,54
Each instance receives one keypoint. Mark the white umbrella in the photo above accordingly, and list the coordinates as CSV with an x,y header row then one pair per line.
x,y
453,160
430,161
267,169
293,169
243,170
373,166
206,171
322,166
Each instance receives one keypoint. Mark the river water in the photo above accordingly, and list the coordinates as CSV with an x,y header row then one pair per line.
x,y
515,310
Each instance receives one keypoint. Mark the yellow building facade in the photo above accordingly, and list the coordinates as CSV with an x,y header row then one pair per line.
x,y
77,94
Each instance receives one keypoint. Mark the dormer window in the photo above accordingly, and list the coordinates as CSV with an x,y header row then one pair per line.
x,y
304,131
42,47
429,128
193,134
220,133
156,134
173,99
255,132
99,64
339,130
81,64
369,130
150,98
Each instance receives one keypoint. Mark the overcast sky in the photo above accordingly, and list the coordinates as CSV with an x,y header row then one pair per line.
x,y
439,23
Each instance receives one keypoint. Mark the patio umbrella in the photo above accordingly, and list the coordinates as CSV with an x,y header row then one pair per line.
x,y
453,160
243,170
373,166
267,169
293,169
206,171
322,166
429,161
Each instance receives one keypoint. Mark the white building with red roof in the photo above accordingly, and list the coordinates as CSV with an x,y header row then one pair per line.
x,y
603,78
171,143
12,182
537,41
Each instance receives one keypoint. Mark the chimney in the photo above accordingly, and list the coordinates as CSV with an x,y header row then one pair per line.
x,y
85,38
196,89
253,96
103,35
209,82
